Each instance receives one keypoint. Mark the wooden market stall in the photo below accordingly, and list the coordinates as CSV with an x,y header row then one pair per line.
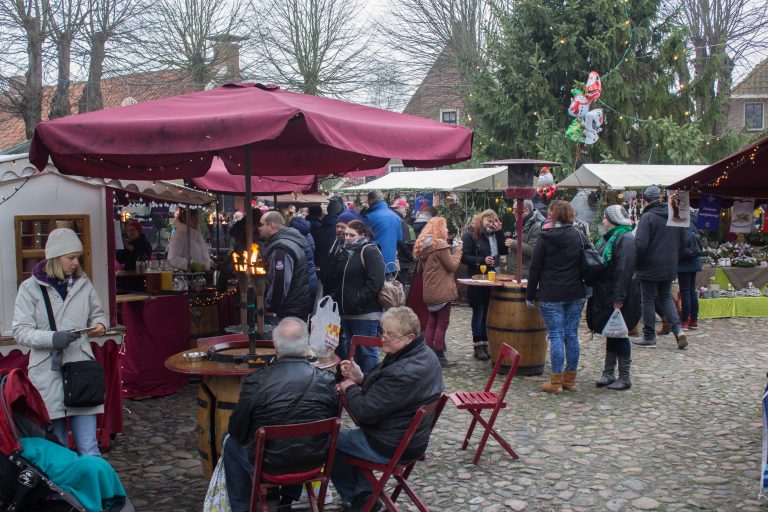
x,y
33,204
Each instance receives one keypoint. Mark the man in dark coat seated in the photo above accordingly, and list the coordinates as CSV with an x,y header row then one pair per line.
x,y
287,392
384,401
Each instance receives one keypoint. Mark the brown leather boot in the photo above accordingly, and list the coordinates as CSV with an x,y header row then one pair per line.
x,y
569,380
555,384
666,327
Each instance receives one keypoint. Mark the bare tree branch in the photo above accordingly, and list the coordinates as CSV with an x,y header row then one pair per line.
x,y
67,19
314,46
28,19
182,34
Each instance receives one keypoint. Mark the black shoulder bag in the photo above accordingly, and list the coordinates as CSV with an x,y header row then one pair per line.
x,y
83,380
592,264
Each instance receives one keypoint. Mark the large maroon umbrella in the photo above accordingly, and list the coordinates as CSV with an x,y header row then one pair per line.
x,y
282,134
742,174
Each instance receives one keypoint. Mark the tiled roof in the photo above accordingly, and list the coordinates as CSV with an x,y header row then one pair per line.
x,y
442,88
756,82
126,89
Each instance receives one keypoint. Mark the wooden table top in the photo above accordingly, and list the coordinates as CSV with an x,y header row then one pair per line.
x,y
178,363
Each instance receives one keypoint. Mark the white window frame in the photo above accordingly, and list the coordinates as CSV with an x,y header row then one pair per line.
x,y
762,120
446,110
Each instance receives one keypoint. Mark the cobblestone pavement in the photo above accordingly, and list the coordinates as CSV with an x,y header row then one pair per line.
x,y
687,436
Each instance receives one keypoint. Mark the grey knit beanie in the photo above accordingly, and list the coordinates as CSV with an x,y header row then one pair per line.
x,y
617,215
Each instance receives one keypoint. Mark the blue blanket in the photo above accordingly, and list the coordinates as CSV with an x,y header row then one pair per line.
x,y
91,479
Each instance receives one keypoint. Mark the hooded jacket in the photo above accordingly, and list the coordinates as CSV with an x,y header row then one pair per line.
x,y
81,308
355,280
269,395
658,245
387,231
303,226
439,265
390,395
531,233
556,265
617,283
287,291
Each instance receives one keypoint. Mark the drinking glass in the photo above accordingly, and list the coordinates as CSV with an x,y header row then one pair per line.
x,y
483,268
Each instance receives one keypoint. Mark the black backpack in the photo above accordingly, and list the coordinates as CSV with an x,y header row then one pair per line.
x,y
694,247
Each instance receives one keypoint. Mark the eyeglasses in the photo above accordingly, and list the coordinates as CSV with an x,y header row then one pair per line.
x,y
392,338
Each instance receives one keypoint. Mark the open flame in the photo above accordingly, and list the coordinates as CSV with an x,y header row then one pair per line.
x,y
249,261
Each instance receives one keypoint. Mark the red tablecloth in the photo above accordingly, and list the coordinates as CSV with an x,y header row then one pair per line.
x,y
108,354
229,311
155,330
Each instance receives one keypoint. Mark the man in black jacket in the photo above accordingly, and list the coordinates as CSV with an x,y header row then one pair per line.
x,y
384,401
657,254
290,391
287,292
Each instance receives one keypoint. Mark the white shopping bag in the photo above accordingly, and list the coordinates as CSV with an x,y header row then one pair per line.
x,y
217,499
615,327
325,327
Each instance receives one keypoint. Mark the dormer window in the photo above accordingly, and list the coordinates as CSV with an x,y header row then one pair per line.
x,y
449,116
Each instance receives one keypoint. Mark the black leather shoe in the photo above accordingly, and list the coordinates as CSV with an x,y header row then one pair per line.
x,y
358,503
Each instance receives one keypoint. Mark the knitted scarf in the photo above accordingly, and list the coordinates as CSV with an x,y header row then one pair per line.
x,y
614,233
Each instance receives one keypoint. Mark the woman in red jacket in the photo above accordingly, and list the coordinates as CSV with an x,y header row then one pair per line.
x,y
438,263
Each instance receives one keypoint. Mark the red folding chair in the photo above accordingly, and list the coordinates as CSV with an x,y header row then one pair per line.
x,y
262,481
365,341
394,468
475,402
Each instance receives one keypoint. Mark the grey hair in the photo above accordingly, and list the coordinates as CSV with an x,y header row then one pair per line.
x,y
375,195
273,217
291,337
528,204
404,318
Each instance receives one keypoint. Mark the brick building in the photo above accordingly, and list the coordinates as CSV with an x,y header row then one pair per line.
x,y
749,101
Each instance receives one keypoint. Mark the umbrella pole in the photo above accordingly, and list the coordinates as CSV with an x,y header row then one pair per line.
x,y
251,294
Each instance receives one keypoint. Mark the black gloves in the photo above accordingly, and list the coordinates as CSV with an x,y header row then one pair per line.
x,y
62,339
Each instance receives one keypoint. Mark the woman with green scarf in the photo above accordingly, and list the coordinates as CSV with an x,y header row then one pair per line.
x,y
616,289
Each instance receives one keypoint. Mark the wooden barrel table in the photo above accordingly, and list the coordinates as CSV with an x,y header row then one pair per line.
x,y
219,391
510,321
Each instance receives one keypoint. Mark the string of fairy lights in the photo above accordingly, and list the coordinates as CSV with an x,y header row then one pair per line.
x,y
210,300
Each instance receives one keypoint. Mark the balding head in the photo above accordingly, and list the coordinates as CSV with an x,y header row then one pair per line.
x,y
270,223
291,338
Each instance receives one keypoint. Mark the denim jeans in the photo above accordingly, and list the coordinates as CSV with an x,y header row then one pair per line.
x,y
657,293
83,430
347,479
689,299
479,316
238,468
562,319
366,357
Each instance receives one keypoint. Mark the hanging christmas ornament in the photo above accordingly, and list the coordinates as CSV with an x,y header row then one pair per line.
x,y
587,125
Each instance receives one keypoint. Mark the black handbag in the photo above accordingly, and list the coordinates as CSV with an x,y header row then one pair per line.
x,y
83,380
592,264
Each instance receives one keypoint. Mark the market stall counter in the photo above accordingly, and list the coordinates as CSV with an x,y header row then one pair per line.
x,y
106,349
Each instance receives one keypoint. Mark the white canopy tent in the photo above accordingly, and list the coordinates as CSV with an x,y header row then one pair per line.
x,y
458,180
623,176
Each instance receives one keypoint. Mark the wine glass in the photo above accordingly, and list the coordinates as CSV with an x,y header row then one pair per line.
x,y
483,268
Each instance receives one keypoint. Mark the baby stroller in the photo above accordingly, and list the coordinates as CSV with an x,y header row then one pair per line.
x,y
23,486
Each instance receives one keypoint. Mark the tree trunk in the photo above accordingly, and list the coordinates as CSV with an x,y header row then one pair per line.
x,y
32,98
60,104
91,98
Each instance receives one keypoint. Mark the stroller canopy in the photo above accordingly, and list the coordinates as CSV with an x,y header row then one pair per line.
x,y
18,396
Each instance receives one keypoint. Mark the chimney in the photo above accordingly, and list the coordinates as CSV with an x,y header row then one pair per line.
x,y
226,57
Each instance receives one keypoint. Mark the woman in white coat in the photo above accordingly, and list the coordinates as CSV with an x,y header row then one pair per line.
x,y
75,306
187,246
